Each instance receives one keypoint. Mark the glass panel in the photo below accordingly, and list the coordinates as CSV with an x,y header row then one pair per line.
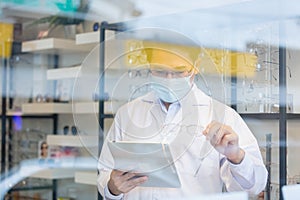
x,y
167,74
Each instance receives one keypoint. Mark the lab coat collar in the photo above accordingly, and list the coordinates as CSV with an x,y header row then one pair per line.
x,y
194,101
194,93
195,97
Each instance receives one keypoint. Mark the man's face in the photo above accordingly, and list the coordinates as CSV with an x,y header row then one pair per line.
x,y
171,84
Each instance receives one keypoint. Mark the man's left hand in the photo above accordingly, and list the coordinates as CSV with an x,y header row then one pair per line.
x,y
225,141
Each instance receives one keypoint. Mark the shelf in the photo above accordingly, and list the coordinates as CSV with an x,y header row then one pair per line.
x,y
72,141
91,38
269,115
47,108
71,72
54,174
86,107
92,107
32,116
13,113
63,73
53,46
31,188
89,178
293,116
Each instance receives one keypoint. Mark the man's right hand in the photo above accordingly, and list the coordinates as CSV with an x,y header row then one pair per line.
x,y
122,182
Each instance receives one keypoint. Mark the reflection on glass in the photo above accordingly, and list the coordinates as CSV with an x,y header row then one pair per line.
x,y
142,73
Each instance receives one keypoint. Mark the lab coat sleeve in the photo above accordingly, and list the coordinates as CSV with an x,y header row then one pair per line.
x,y
105,164
109,196
250,175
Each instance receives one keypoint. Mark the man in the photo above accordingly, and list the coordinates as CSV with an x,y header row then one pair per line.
x,y
222,153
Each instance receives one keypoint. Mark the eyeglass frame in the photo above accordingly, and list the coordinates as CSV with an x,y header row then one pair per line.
x,y
186,127
174,74
74,130
144,73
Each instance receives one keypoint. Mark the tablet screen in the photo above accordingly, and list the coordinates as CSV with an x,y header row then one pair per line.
x,y
151,159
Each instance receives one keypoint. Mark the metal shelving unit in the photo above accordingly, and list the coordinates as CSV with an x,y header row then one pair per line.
x,y
282,113
7,127
117,27
282,116
3,115
53,47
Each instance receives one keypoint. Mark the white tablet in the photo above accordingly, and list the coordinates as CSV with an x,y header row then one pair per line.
x,y
151,159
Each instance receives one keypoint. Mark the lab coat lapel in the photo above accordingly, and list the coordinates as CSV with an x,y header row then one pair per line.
x,y
189,118
154,107
157,114
199,105
196,111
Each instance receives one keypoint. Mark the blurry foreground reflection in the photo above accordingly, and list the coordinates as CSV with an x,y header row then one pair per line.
x,y
30,167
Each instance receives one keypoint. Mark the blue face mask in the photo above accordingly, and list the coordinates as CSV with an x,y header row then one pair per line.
x,y
171,89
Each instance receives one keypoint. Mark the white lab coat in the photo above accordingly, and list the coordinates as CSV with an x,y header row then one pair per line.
x,y
202,170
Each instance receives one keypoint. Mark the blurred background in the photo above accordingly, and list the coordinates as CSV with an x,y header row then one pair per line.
x,y
68,65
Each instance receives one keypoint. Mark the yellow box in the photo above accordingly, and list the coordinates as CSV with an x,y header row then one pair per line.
x,y
6,39
227,62
206,60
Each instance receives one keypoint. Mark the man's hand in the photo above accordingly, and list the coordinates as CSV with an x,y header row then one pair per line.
x,y
225,141
122,182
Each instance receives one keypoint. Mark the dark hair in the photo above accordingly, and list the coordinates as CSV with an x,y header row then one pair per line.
x,y
44,142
